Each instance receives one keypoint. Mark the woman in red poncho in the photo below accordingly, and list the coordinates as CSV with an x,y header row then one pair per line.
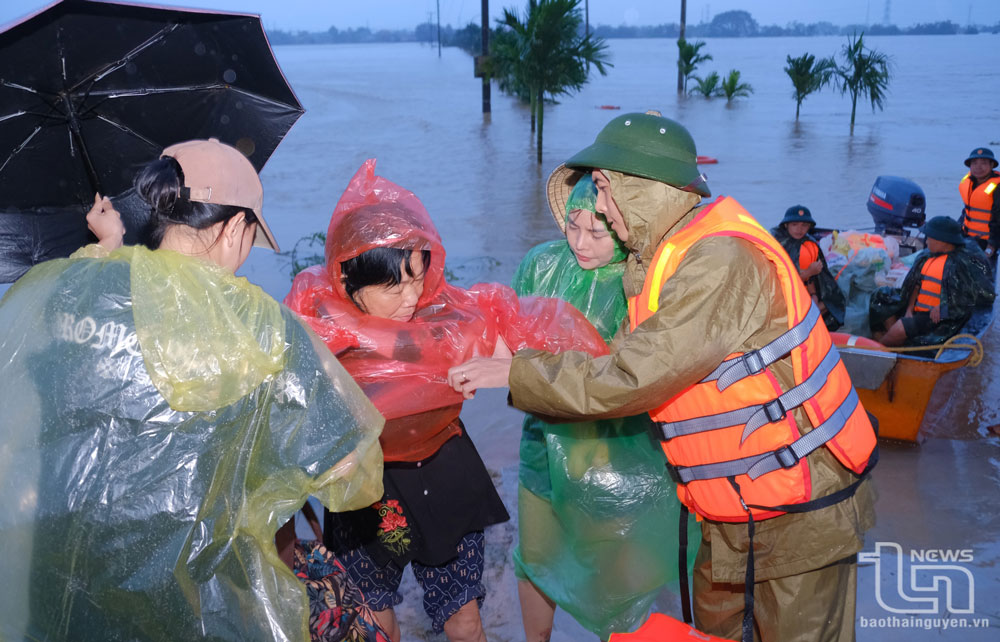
x,y
383,307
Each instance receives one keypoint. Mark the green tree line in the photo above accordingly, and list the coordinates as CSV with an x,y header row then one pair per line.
x,y
728,24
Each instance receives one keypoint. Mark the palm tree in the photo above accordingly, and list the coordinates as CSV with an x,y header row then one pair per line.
x,y
808,75
865,72
731,87
505,54
544,54
707,86
689,57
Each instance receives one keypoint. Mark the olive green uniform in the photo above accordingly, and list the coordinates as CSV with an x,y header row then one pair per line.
x,y
725,297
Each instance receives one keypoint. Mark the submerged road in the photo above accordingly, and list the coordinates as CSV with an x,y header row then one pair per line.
x,y
940,499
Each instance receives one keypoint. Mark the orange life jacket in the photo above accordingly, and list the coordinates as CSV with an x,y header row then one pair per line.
x,y
931,278
978,204
732,427
663,628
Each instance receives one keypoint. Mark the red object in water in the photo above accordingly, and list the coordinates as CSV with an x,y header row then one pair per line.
x,y
608,107
707,160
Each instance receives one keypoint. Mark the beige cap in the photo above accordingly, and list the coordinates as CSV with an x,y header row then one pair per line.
x,y
218,173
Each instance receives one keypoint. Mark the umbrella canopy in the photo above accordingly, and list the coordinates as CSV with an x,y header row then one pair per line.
x,y
90,91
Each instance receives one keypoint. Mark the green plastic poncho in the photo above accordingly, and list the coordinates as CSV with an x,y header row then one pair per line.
x,y
597,511
161,419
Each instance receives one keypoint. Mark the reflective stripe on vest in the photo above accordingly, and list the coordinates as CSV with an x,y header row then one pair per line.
x,y
931,278
978,205
735,422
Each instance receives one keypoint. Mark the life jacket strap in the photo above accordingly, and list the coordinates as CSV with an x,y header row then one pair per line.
x,y
747,626
785,457
757,415
750,363
682,564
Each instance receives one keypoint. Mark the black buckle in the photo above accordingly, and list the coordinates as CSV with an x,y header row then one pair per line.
x,y
657,433
786,456
774,410
674,473
757,365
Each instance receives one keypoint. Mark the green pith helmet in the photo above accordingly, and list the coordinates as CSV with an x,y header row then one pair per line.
x,y
944,229
981,152
798,214
649,146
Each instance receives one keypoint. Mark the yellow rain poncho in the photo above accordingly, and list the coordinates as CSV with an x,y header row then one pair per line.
x,y
161,419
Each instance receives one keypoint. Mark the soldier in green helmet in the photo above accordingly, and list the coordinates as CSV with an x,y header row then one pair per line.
x,y
725,349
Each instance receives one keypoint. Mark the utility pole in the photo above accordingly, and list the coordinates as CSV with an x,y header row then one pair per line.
x,y
680,76
439,27
485,52
586,17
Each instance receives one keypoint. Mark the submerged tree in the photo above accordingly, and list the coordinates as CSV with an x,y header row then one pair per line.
x,y
689,57
808,75
865,72
707,86
731,87
544,54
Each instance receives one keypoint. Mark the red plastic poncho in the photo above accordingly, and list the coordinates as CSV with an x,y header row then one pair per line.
x,y
403,366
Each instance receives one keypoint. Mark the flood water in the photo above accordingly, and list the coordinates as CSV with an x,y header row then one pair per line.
x,y
420,116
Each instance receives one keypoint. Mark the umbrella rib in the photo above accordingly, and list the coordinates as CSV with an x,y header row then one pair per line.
x,y
128,130
143,91
18,149
127,58
14,85
117,93
61,118
14,115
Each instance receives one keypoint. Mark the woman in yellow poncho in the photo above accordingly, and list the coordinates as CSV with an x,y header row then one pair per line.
x,y
161,418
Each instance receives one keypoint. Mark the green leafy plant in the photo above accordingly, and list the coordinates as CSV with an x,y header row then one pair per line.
x,y
543,53
307,251
865,72
689,56
808,75
707,86
731,86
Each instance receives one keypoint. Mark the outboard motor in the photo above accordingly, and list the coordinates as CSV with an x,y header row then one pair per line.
x,y
896,203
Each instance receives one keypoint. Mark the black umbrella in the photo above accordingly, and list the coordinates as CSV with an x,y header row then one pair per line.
x,y
90,91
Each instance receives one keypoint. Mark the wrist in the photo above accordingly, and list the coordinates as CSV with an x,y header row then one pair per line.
x,y
112,242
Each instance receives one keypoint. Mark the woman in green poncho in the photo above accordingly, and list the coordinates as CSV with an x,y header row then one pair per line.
x,y
597,511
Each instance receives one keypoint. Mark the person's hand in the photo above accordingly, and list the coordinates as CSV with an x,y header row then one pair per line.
x,y
936,314
106,223
479,372
501,350
814,268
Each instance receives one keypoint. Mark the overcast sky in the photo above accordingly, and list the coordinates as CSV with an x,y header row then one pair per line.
x,y
319,15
